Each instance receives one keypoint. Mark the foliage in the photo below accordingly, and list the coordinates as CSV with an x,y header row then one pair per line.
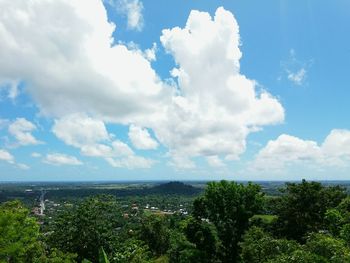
x,y
132,251
230,222
298,256
259,246
181,250
19,234
205,238
155,233
92,224
56,256
302,208
20,238
333,250
229,206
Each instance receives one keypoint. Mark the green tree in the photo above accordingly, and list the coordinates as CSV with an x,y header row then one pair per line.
x,y
181,250
333,250
229,206
19,234
302,207
298,256
132,251
205,238
155,233
95,222
259,246
20,239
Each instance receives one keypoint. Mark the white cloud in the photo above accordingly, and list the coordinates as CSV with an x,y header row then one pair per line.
x,y
288,150
337,143
61,159
150,53
70,63
131,162
217,106
6,156
91,137
132,9
296,69
215,161
298,77
141,138
11,86
21,129
182,162
79,130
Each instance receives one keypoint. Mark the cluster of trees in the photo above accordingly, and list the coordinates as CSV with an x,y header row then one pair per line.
x,y
229,222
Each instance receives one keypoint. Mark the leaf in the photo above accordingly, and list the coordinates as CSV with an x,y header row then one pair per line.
x,y
102,256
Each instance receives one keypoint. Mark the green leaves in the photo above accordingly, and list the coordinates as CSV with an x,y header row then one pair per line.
x,y
102,256
92,224
229,206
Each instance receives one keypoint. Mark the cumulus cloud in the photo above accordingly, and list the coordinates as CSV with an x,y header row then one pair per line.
x,y
141,139
79,130
288,150
217,106
150,53
6,156
215,161
21,130
92,138
72,66
68,60
61,159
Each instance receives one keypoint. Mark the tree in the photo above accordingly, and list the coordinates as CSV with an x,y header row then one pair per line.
x,y
205,238
94,223
19,234
155,233
319,248
229,206
20,239
259,246
132,251
302,207
298,256
181,250
333,250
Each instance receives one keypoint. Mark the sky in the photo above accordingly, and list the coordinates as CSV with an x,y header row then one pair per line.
x,y
174,90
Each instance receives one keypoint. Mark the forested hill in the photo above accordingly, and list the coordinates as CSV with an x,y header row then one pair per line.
x,y
175,188
170,188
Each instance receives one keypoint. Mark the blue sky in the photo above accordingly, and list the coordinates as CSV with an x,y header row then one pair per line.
x,y
173,90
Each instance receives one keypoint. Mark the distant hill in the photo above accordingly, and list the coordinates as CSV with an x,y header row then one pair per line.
x,y
170,188
174,188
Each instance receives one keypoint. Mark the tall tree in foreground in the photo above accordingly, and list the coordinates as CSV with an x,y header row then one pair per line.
x,y
18,234
302,207
229,206
20,238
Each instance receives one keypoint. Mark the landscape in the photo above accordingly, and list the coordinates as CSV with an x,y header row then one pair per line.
x,y
177,131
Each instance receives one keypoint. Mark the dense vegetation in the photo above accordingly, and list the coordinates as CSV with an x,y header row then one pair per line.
x,y
228,222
